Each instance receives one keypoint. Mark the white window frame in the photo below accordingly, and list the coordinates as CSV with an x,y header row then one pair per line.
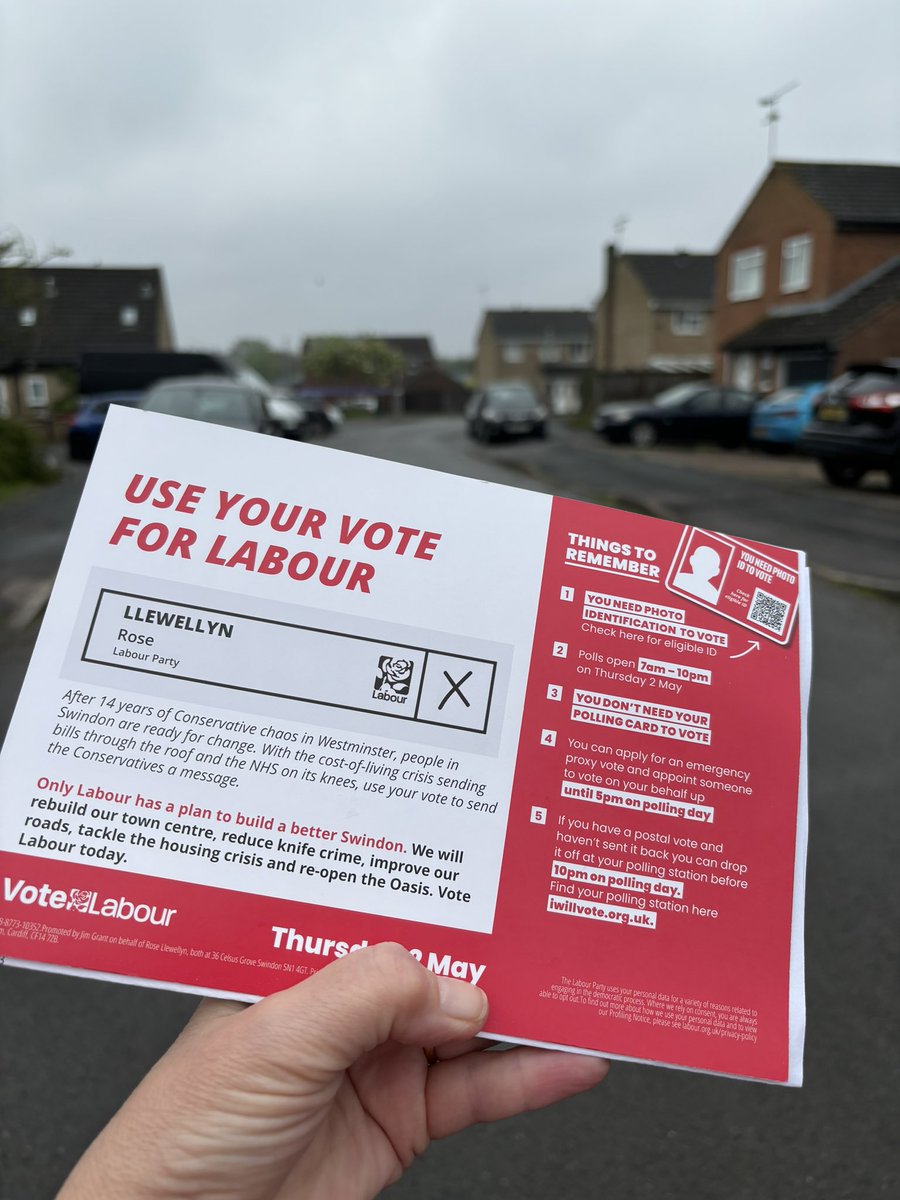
x,y
796,263
28,315
688,323
128,316
549,353
747,273
580,352
513,352
37,394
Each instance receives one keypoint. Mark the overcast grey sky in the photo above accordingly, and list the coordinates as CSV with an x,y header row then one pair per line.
x,y
397,165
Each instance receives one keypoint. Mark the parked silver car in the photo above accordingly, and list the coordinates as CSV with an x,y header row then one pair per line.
x,y
216,399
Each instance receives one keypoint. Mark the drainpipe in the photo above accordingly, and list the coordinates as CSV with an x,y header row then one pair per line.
x,y
609,305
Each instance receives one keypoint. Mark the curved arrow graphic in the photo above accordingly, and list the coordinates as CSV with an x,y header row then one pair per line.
x,y
754,645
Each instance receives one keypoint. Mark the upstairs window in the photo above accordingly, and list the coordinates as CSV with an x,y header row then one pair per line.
x,y
128,316
688,324
746,269
548,353
579,352
513,353
796,263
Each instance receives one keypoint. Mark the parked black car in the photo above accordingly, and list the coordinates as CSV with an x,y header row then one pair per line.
x,y
216,399
856,427
505,410
688,412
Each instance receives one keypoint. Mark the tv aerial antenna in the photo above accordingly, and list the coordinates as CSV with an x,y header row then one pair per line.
x,y
771,115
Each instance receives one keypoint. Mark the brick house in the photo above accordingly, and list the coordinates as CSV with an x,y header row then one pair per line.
x,y
804,281
548,348
805,343
50,316
655,313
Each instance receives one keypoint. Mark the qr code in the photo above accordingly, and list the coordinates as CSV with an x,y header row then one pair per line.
x,y
769,611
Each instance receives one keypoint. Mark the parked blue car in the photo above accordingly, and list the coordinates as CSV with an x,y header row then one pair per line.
x,y
778,421
85,426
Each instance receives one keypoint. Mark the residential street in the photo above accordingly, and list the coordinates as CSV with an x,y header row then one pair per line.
x,y
72,1049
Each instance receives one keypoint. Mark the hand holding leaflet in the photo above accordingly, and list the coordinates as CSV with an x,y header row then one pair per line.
x,y
322,1090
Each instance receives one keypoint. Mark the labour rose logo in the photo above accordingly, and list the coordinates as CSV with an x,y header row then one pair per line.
x,y
79,900
394,673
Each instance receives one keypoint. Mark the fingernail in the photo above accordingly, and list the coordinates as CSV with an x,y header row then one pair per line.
x,y
463,1001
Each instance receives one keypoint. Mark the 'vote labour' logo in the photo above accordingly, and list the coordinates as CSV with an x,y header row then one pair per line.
x,y
393,678
79,900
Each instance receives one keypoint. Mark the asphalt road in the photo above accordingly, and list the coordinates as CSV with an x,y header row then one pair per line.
x,y
70,1050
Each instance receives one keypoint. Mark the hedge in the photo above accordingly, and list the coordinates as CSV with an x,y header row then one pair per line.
x,y
20,454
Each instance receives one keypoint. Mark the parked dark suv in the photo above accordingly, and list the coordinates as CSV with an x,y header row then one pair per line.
x,y
856,427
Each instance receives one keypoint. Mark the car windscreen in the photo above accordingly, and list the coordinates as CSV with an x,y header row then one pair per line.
x,y
673,397
220,406
510,400
785,396
98,406
865,385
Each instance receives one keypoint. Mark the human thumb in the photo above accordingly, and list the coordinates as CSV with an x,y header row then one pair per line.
x,y
374,995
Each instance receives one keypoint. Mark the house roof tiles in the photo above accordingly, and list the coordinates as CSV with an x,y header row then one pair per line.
x,y
855,194
79,309
676,279
540,325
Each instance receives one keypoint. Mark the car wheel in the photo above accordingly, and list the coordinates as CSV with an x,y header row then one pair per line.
x,y
841,474
894,478
644,434
540,431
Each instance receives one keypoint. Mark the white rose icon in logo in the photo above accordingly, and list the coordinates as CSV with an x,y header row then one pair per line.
x,y
79,900
394,674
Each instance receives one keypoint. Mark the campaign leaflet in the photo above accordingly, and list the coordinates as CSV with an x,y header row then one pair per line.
x,y
287,702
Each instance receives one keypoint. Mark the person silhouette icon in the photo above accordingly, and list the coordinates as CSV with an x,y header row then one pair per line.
x,y
705,566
